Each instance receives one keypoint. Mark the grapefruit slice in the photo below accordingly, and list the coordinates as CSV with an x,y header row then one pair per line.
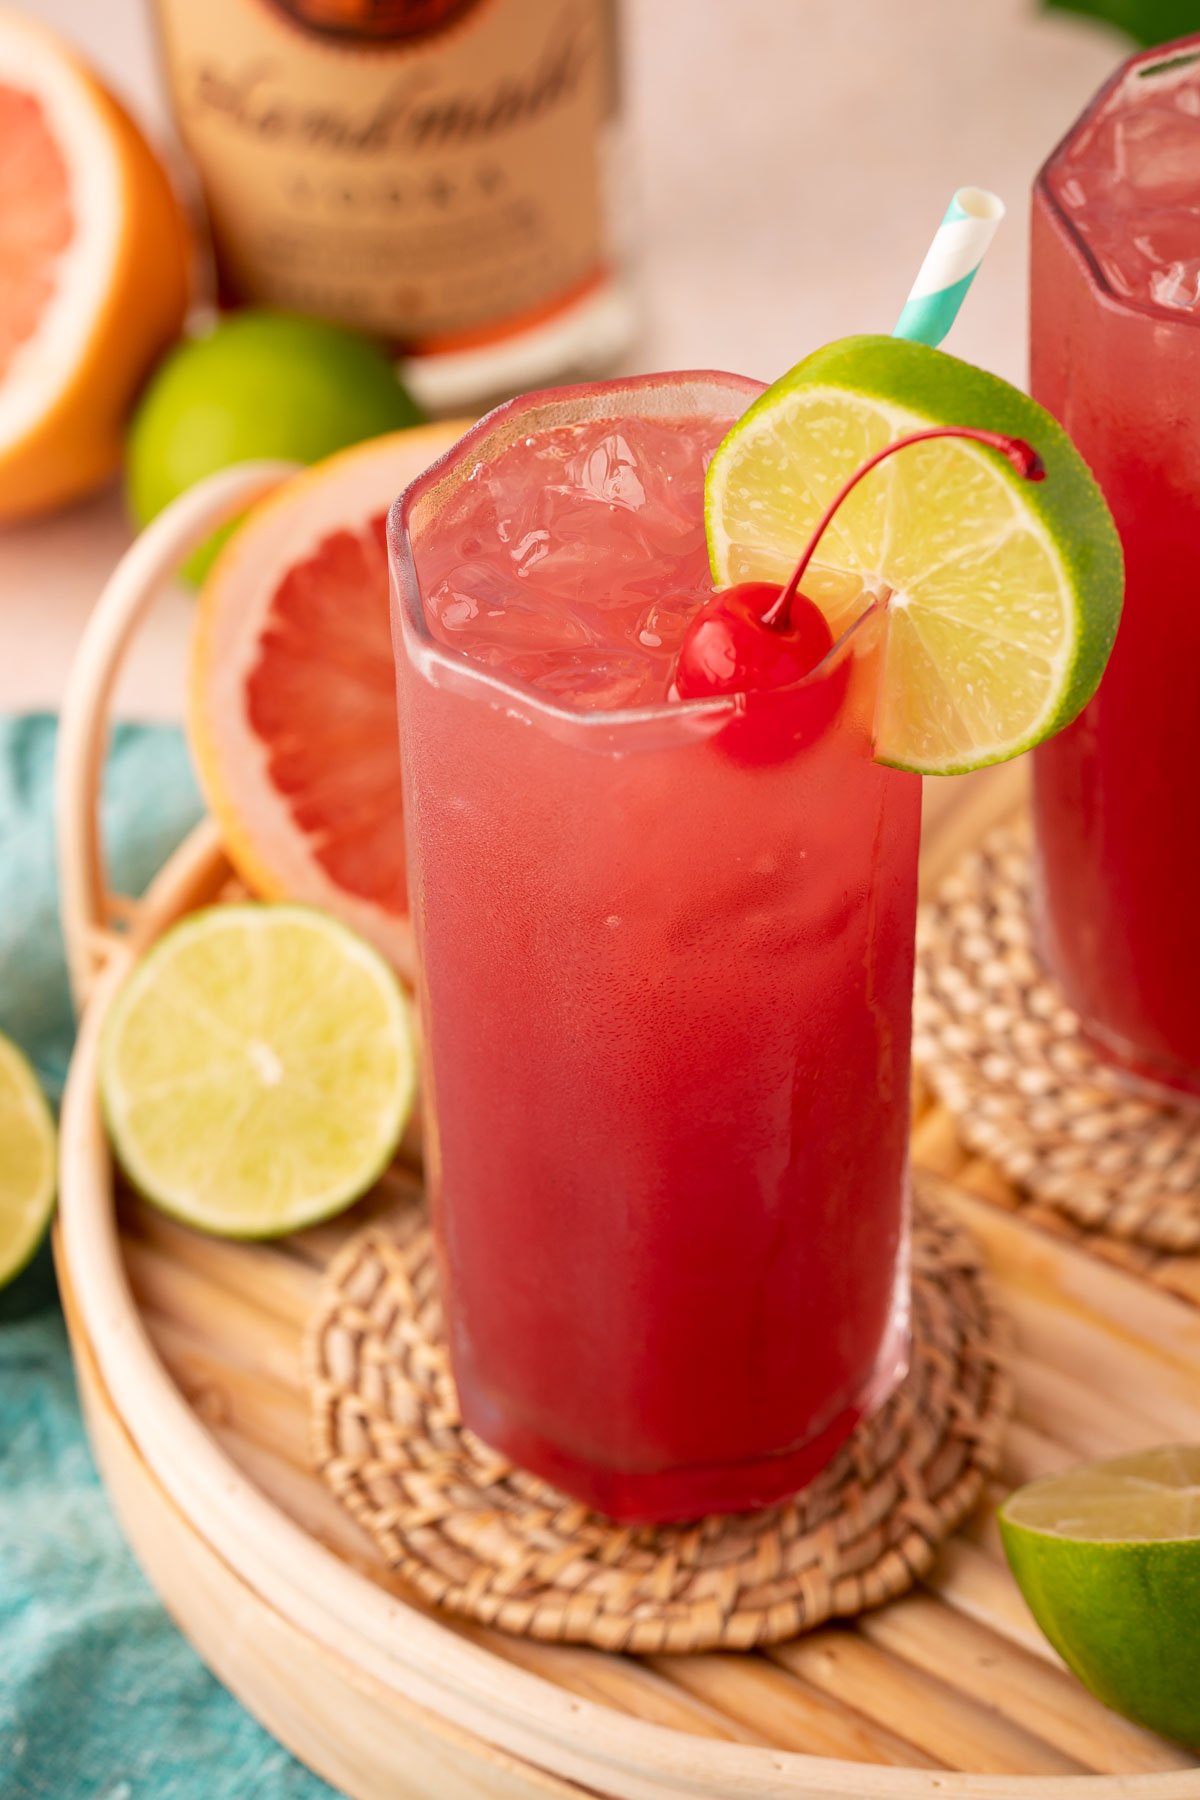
x,y
93,271
292,698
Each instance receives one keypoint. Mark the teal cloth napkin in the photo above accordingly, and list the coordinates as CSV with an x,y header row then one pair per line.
x,y
100,1697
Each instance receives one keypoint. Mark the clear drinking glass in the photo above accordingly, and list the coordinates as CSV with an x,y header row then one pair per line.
x,y
666,992
1116,357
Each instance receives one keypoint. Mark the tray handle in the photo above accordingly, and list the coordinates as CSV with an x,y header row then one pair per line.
x,y
88,910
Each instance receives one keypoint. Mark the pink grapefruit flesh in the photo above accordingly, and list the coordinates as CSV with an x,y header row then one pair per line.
x,y
35,218
292,710
337,768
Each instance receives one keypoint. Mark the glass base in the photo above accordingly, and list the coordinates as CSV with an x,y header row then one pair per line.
x,y
660,1496
1155,1077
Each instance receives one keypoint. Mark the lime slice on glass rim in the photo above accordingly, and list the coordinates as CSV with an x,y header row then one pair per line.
x,y
257,1069
1108,1559
28,1162
1002,595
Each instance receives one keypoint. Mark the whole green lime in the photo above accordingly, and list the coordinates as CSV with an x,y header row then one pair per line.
x,y
259,384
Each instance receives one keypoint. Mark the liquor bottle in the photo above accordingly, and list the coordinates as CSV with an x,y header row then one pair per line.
x,y
435,172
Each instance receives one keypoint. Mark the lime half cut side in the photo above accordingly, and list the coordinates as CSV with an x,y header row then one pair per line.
x,y
1108,1559
257,1069
28,1162
1002,596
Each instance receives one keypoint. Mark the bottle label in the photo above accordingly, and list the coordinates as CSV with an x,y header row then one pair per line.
x,y
428,170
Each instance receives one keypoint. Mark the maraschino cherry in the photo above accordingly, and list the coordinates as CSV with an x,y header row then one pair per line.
x,y
755,637
729,649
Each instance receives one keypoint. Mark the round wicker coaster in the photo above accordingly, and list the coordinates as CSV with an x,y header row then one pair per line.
x,y
1006,1056
472,1533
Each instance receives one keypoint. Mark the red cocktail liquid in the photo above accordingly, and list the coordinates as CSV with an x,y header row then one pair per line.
x,y
1116,355
666,987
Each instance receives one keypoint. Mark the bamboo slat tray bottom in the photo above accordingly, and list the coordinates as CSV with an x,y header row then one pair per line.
x,y
953,1677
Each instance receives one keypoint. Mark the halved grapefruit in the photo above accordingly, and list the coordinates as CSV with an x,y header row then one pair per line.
x,y
292,697
94,264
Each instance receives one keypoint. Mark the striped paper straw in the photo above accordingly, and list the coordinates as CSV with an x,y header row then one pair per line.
x,y
950,265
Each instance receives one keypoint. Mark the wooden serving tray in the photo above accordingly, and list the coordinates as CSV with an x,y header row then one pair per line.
x,y
188,1357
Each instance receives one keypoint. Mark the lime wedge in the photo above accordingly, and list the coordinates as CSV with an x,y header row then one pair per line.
x,y
257,1069
28,1162
1108,1559
1002,596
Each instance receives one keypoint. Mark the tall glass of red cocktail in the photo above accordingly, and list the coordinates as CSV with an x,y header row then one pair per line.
x,y
666,960
1116,356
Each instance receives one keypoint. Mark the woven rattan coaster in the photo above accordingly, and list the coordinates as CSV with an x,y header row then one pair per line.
x,y
471,1533
1005,1055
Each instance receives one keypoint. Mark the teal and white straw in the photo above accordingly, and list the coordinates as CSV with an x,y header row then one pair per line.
x,y
950,265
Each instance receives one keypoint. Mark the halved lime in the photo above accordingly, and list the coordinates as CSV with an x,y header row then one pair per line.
x,y
257,1069
28,1162
1002,596
1108,1559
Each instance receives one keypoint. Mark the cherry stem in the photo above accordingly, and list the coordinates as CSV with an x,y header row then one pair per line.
x,y
1023,457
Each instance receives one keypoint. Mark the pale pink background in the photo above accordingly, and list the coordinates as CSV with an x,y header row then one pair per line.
x,y
789,160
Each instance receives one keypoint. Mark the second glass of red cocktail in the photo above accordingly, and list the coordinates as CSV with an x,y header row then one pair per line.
x,y
1115,355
